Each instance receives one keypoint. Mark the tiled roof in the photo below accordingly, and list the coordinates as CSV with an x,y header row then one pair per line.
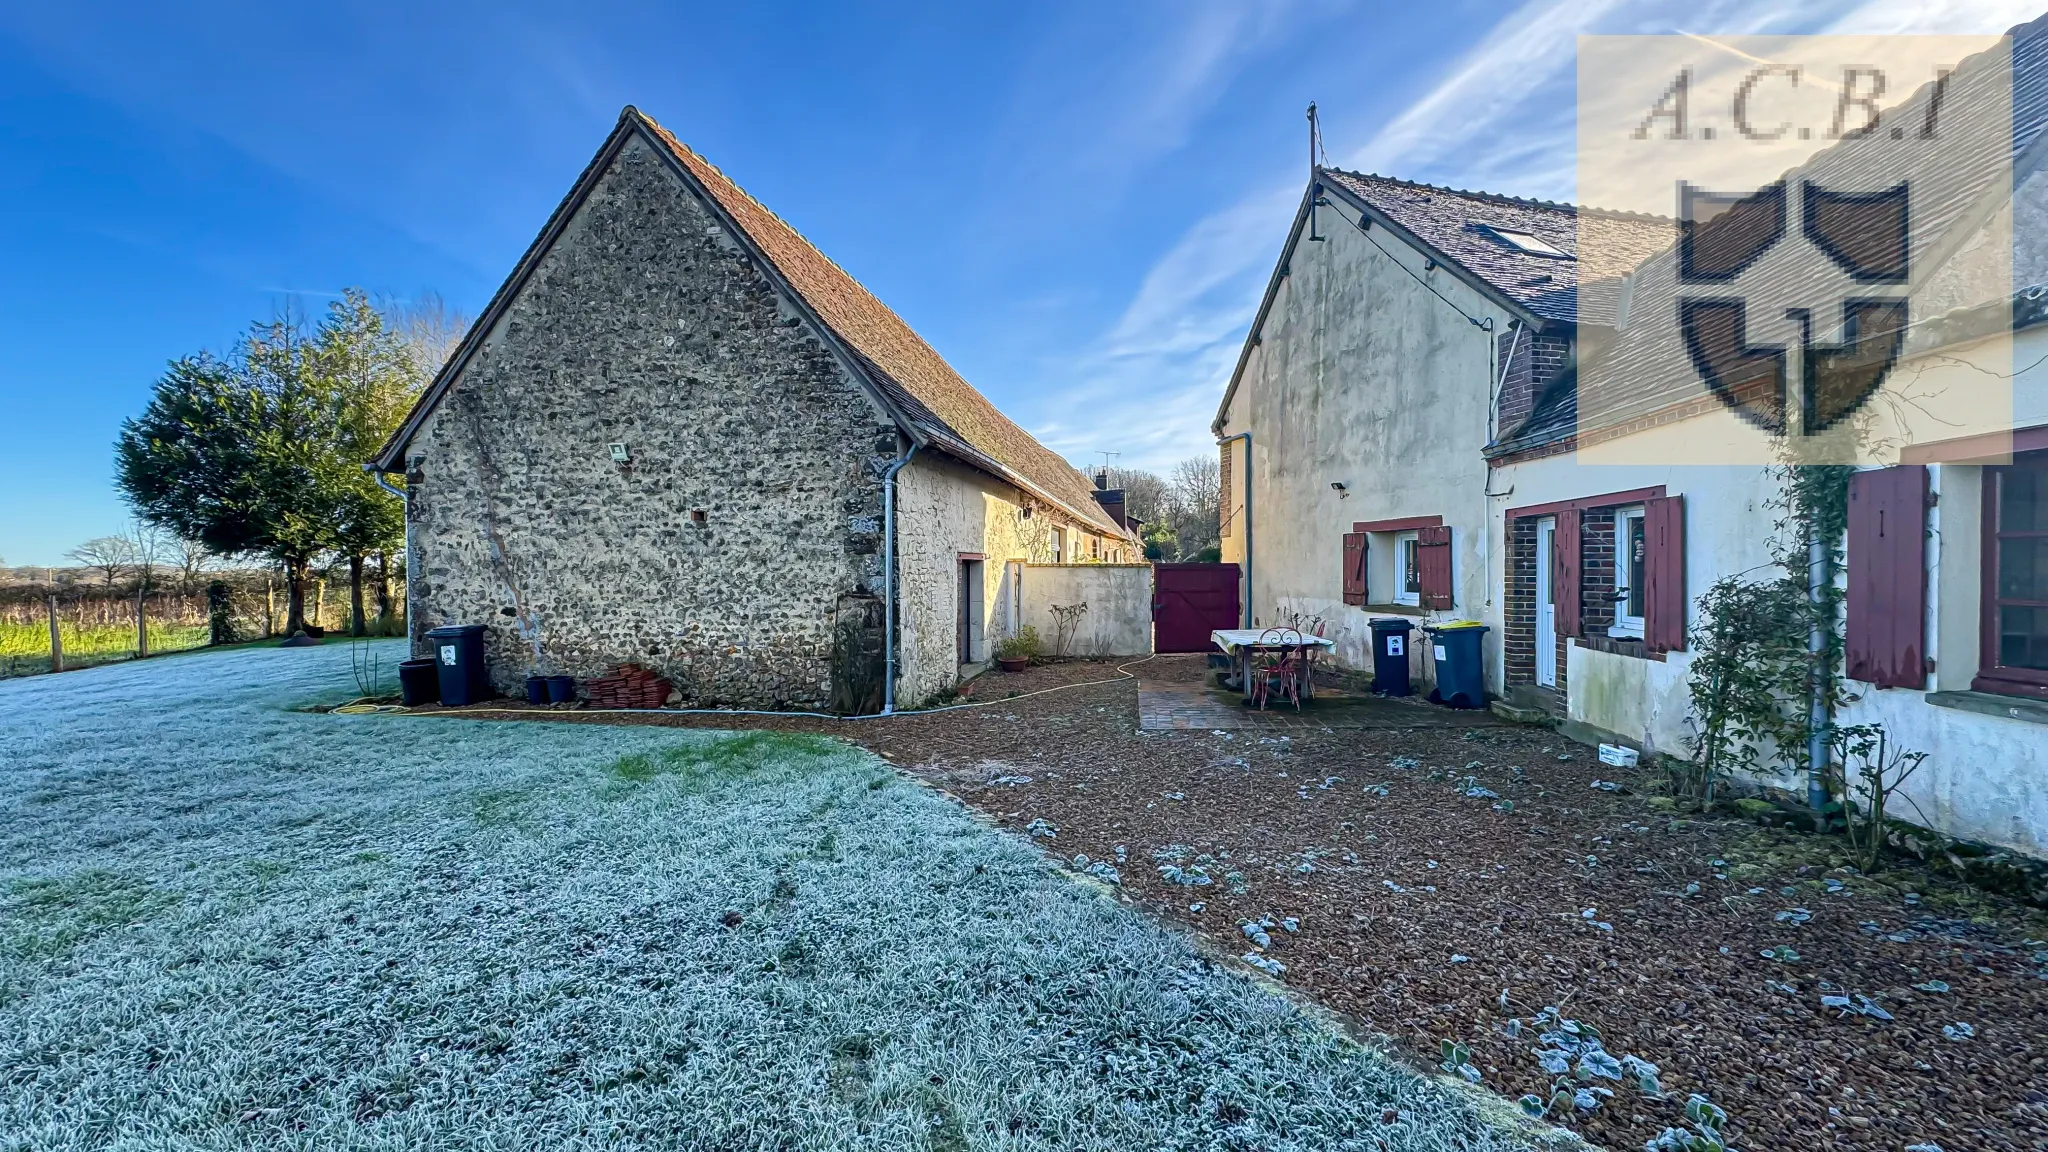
x,y
1462,226
920,382
1636,377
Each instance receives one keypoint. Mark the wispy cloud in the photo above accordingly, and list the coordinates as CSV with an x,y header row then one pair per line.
x,y
1499,117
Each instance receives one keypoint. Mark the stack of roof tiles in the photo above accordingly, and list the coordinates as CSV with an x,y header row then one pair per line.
x,y
627,686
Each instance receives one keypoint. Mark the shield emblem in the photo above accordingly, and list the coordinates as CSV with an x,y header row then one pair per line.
x,y
1865,234
1719,236
1837,378
1747,378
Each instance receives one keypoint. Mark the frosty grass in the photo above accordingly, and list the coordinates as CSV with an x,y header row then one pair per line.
x,y
228,924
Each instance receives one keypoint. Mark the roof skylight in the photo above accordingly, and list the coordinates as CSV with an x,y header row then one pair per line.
x,y
1527,242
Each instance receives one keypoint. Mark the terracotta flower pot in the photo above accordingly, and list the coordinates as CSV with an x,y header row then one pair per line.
x,y
1013,663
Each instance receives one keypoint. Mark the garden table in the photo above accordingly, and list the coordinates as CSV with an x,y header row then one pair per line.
x,y
1243,645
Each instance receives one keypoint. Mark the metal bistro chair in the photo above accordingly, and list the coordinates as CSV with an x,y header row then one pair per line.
x,y
1277,666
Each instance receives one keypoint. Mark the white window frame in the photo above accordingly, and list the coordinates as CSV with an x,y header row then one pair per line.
x,y
1625,627
1059,545
1403,541
1527,242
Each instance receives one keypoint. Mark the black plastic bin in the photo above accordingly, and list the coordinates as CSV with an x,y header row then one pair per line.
x,y
1390,657
1460,674
459,656
418,682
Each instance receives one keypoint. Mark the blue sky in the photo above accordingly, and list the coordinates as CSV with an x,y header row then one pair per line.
x,y
1077,204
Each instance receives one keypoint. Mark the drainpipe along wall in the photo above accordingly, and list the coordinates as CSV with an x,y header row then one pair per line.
x,y
1247,471
378,475
889,579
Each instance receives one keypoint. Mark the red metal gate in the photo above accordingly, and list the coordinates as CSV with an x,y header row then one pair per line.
x,y
1189,601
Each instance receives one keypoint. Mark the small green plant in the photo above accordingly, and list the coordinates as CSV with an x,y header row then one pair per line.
x,y
1458,1060
1706,1120
1572,1053
1025,644
1871,769
220,614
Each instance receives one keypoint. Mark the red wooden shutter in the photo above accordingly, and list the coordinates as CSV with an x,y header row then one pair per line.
x,y
1564,571
1354,567
1885,636
1433,565
1663,573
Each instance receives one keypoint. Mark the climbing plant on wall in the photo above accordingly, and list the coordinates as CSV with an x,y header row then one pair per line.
x,y
1756,670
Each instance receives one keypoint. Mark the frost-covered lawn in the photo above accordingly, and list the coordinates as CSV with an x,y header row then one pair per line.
x,y
228,924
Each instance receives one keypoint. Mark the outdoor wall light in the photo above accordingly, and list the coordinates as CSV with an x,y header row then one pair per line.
x,y
621,454
1340,489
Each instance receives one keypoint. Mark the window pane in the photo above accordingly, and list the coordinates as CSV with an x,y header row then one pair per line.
x,y
2022,500
1411,576
2023,637
2023,569
1636,552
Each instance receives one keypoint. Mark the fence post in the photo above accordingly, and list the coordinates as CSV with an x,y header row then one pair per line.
x,y
141,626
56,640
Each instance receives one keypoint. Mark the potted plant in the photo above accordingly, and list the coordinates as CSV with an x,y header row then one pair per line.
x,y
1015,653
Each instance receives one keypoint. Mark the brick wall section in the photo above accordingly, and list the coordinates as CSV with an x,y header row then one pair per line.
x,y
1538,359
1596,589
1519,610
646,324
1596,572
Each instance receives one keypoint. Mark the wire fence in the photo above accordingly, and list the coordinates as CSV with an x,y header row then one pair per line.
x,y
102,625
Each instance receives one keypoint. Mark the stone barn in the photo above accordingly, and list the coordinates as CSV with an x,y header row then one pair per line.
x,y
680,436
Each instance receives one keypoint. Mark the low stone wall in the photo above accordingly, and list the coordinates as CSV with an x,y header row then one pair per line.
x,y
1118,621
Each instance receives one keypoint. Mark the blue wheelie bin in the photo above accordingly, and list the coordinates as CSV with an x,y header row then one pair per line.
x,y
1460,675
1390,657
459,658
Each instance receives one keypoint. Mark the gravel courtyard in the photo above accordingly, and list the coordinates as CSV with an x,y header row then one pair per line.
x,y
228,924
1447,884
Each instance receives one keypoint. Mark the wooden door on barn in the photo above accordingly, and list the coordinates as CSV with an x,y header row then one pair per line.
x,y
1189,601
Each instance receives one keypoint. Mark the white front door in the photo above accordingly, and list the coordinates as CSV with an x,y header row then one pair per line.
x,y
1546,603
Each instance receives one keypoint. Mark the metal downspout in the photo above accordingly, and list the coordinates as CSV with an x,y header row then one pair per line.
x,y
1500,382
1818,576
386,485
889,579
1247,438
377,474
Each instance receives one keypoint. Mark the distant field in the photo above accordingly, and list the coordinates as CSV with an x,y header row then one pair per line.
x,y
25,648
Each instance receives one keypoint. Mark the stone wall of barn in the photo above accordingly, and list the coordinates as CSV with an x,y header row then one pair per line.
x,y
746,518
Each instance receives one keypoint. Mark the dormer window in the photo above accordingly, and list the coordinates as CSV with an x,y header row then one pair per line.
x,y
1526,242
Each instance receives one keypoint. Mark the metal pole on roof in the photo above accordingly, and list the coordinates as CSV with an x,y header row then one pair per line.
x,y
1315,147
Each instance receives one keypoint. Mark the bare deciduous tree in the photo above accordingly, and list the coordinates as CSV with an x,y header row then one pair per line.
x,y
110,556
1179,509
1195,484
149,546
190,557
1145,495
428,326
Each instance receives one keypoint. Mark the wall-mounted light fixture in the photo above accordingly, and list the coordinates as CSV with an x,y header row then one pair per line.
x,y
1339,487
621,454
